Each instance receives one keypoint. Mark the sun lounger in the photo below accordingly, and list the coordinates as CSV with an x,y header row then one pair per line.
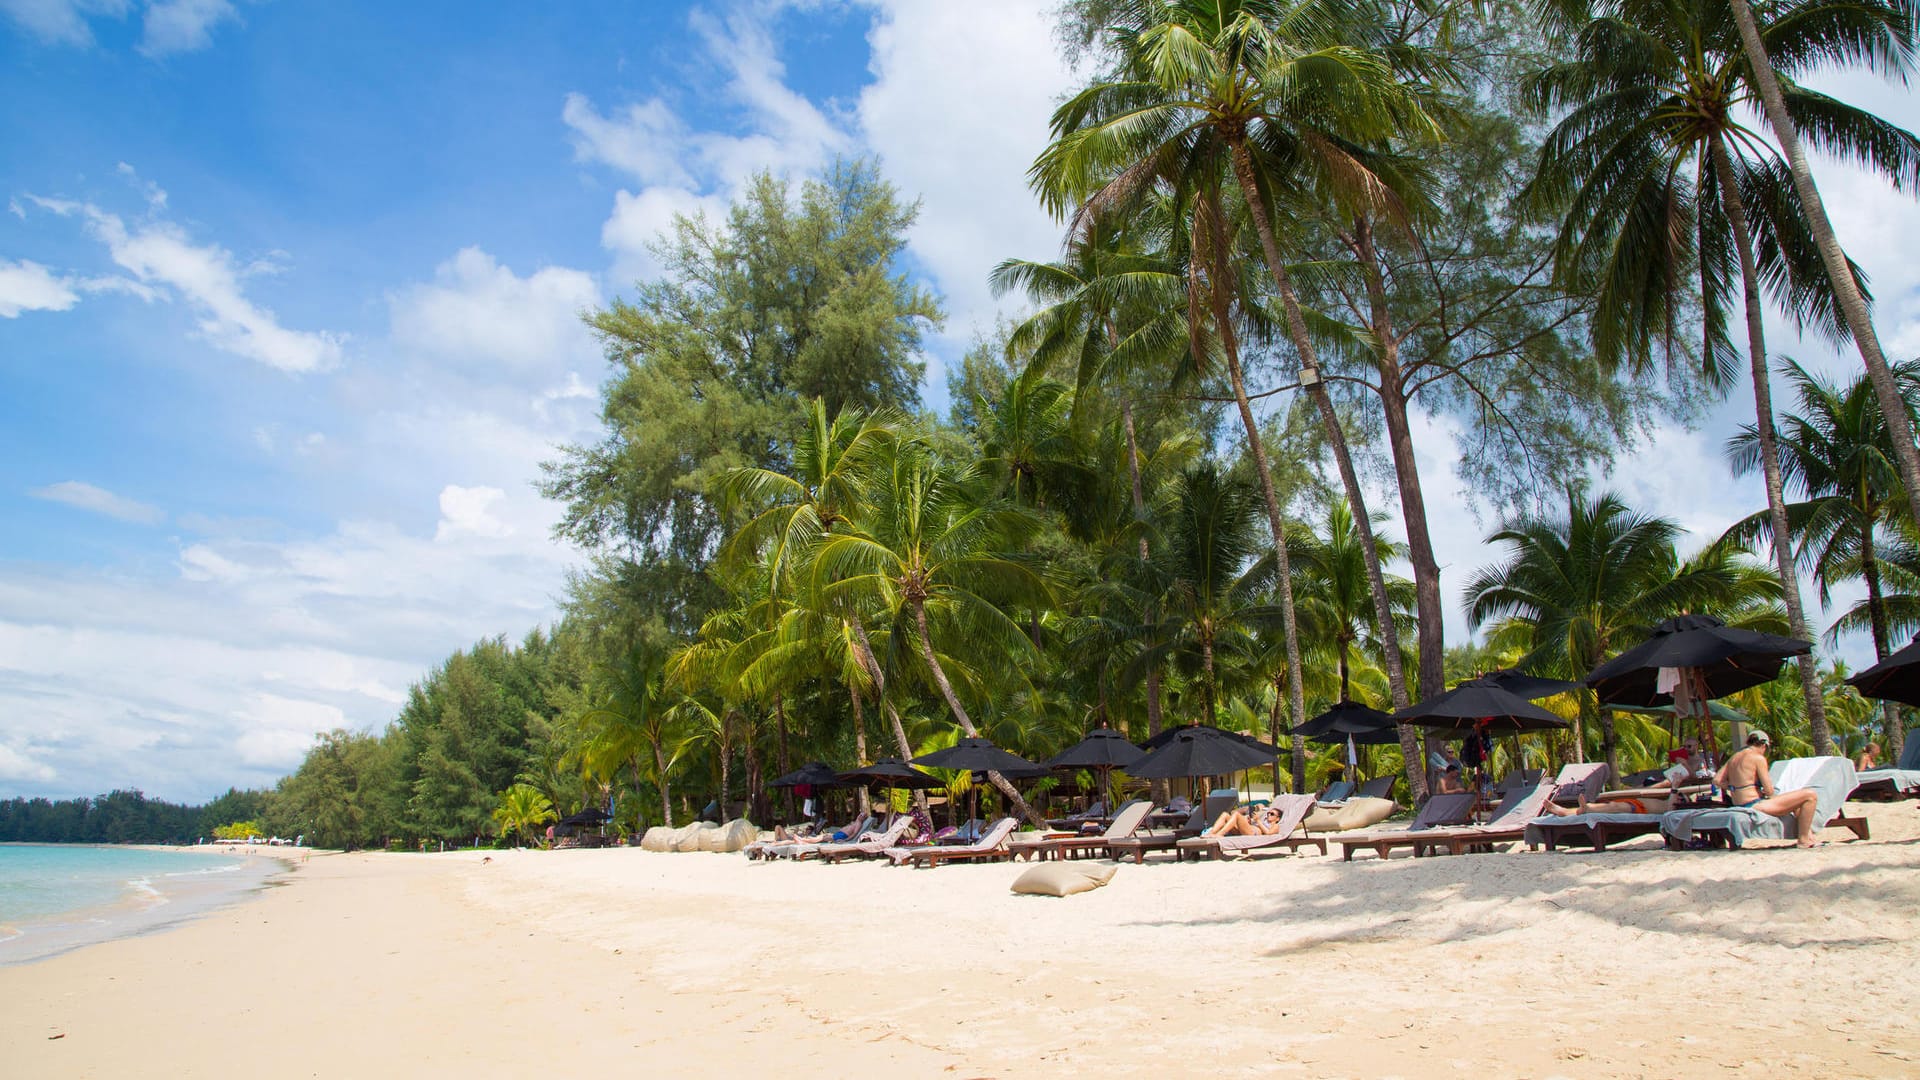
x,y
1517,780
1901,780
779,849
1595,830
1337,792
1380,787
1833,777
992,845
1579,779
1508,825
1203,816
1293,810
869,845
1440,811
1126,822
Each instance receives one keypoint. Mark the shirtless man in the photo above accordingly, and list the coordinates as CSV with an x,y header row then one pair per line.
x,y
1749,785
1653,800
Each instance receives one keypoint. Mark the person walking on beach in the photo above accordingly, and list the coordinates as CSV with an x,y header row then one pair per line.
x,y
1749,785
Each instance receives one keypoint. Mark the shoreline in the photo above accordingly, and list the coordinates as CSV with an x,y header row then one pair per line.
x,y
148,902
1629,962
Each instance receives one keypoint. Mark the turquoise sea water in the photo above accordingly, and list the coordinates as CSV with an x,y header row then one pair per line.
x,y
55,897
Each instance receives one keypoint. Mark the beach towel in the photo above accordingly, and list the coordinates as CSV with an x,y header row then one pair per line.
x,y
1833,777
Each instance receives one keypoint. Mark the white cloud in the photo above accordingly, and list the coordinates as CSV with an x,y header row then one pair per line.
x,y
83,496
477,313
958,110
61,22
174,26
28,286
16,765
162,254
276,731
681,170
469,511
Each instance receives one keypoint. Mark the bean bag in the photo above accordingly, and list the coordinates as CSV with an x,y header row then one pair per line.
x,y
659,838
1062,879
689,838
1355,813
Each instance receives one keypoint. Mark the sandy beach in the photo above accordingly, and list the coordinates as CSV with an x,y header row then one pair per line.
x,y
1635,962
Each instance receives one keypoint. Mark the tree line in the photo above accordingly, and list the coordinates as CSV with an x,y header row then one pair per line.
x,y
1296,236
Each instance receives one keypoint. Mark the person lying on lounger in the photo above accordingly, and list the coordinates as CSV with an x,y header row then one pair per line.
x,y
1263,822
1631,804
1749,786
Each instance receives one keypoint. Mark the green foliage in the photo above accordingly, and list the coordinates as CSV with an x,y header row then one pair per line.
x,y
239,830
522,807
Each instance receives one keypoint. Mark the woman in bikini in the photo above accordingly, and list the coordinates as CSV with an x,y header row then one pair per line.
x,y
1750,786
1264,822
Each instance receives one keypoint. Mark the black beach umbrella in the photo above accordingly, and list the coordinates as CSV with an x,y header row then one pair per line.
x,y
890,773
1460,709
813,773
1531,687
1365,725
1200,751
591,818
1727,659
1897,678
1103,748
975,755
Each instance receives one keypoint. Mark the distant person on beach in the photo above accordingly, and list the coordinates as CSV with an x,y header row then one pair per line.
x,y
1749,786
1869,758
1237,822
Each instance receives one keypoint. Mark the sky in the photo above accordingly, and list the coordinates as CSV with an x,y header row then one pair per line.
x,y
289,317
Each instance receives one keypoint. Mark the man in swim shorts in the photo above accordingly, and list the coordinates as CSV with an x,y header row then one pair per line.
x,y
1651,801
1749,786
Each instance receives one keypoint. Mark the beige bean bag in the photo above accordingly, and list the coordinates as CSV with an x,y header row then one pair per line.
x,y
1062,879
732,836
1353,814
659,838
690,837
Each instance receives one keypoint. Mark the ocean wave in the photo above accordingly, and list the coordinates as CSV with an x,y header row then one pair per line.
x,y
225,868
144,888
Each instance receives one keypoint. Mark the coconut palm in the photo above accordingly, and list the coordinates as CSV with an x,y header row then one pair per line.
x,y
630,722
1657,171
927,552
1839,455
1276,95
1574,590
1217,588
522,807
1332,575
1880,35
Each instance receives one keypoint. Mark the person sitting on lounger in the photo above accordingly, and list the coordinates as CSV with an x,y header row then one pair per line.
x,y
1869,758
1264,822
1450,782
1749,786
1677,775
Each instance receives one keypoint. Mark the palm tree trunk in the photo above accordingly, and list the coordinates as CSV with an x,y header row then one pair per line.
x,y
859,726
1877,620
864,652
1000,782
756,776
1157,789
780,748
1853,306
666,796
1432,678
1356,499
1289,623
1769,451
726,774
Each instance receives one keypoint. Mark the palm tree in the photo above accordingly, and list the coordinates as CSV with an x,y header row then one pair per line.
x,y
1261,89
1838,453
1880,34
630,720
522,807
1333,579
1658,172
1216,587
1574,590
929,549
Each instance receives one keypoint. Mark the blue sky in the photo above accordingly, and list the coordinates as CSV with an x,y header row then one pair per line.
x,y
288,318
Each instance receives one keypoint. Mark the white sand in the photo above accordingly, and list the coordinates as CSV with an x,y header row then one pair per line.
x,y
1635,962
